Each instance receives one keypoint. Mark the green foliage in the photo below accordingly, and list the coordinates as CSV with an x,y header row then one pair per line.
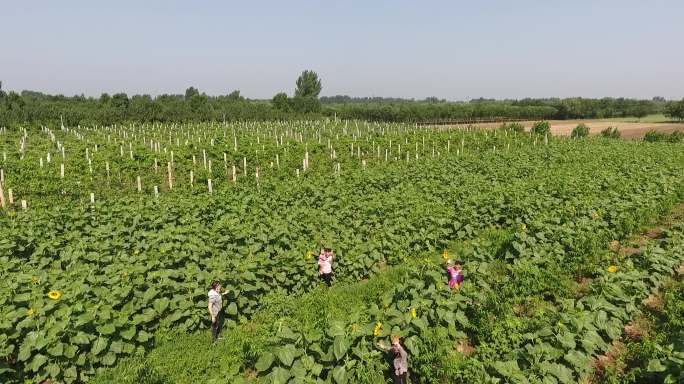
x,y
41,109
610,133
675,109
305,104
120,102
235,96
305,98
308,85
580,131
431,112
133,269
514,127
541,128
190,92
659,356
653,136
105,99
676,137
281,102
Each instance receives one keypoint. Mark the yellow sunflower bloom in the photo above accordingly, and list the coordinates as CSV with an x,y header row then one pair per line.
x,y
445,255
523,227
309,255
30,312
413,312
377,331
612,269
54,295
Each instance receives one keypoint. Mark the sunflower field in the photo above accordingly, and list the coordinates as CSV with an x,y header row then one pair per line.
x,y
110,237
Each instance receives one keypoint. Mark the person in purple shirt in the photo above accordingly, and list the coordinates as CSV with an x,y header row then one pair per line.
x,y
400,359
455,274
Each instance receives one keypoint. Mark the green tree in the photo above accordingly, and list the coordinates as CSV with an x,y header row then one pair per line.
x,y
235,96
308,85
675,110
190,92
120,101
306,104
642,108
281,102
105,99
15,101
199,105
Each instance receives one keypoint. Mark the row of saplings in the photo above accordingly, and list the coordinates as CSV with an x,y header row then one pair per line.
x,y
399,369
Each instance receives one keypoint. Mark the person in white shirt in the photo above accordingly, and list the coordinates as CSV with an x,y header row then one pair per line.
x,y
215,306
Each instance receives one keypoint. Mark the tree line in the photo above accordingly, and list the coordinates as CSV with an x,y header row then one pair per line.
x,y
29,107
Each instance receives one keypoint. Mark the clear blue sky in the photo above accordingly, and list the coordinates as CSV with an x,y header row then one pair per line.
x,y
450,49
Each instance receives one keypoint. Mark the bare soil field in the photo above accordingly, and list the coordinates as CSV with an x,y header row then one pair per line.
x,y
628,130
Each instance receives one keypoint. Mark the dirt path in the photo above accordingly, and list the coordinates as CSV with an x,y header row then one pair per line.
x,y
628,130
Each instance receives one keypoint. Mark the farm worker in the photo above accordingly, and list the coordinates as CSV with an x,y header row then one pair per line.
x,y
325,259
455,274
215,305
400,359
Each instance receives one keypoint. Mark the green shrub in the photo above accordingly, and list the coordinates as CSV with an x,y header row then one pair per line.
x,y
541,128
676,137
653,136
610,133
580,131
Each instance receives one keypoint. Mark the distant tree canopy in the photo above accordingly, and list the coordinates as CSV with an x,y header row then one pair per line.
x,y
308,85
190,92
235,96
675,110
306,93
280,102
30,107
305,100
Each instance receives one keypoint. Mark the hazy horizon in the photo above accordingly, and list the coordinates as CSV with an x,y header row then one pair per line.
x,y
405,49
